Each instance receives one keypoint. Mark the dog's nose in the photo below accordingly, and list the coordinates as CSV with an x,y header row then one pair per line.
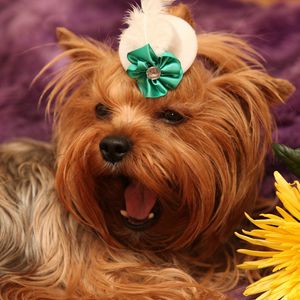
x,y
114,148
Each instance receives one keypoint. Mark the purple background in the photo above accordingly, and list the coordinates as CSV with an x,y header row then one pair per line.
x,y
27,32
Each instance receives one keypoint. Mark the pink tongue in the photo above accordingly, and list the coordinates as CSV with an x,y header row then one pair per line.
x,y
139,200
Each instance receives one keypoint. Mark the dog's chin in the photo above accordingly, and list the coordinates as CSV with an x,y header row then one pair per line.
x,y
139,218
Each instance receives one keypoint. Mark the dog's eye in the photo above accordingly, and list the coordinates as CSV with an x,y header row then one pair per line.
x,y
102,111
171,116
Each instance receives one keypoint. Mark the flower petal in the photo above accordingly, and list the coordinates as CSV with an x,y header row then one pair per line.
x,y
280,233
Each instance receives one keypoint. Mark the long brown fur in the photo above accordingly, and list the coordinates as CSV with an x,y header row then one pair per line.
x,y
60,229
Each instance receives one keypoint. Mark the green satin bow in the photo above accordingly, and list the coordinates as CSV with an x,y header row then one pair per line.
x,y
167,65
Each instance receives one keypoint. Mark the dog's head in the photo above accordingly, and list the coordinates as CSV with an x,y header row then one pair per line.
x,y
162,173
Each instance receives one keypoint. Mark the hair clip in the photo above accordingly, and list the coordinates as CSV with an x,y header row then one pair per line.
x,y
157,48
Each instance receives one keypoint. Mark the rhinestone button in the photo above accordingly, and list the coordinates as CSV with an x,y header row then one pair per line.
x,y
153,73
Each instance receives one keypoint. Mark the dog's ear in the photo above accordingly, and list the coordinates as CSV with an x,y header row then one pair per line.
x,y
285,88
86,55
80,48
276,90
66,38
231,61
182,11
257,83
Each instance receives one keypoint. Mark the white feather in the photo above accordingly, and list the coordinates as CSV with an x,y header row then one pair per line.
x,y
155,6
151,24
147,25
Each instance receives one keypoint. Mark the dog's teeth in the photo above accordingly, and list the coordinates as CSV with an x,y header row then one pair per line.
x,y
151,216
124,213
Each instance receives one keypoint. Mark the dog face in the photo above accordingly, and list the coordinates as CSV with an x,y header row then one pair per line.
x,y
162,173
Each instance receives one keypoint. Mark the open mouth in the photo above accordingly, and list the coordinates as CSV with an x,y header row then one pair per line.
x,y
142,207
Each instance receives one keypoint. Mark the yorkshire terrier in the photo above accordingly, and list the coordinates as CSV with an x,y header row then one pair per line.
x,y
136,198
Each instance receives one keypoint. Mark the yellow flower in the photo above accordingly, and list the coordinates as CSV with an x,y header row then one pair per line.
x,y
281,234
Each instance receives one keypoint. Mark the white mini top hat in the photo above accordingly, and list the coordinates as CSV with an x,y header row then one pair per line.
x,y
151,24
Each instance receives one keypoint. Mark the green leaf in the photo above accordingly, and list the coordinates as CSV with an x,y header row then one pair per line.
x,y
291,157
